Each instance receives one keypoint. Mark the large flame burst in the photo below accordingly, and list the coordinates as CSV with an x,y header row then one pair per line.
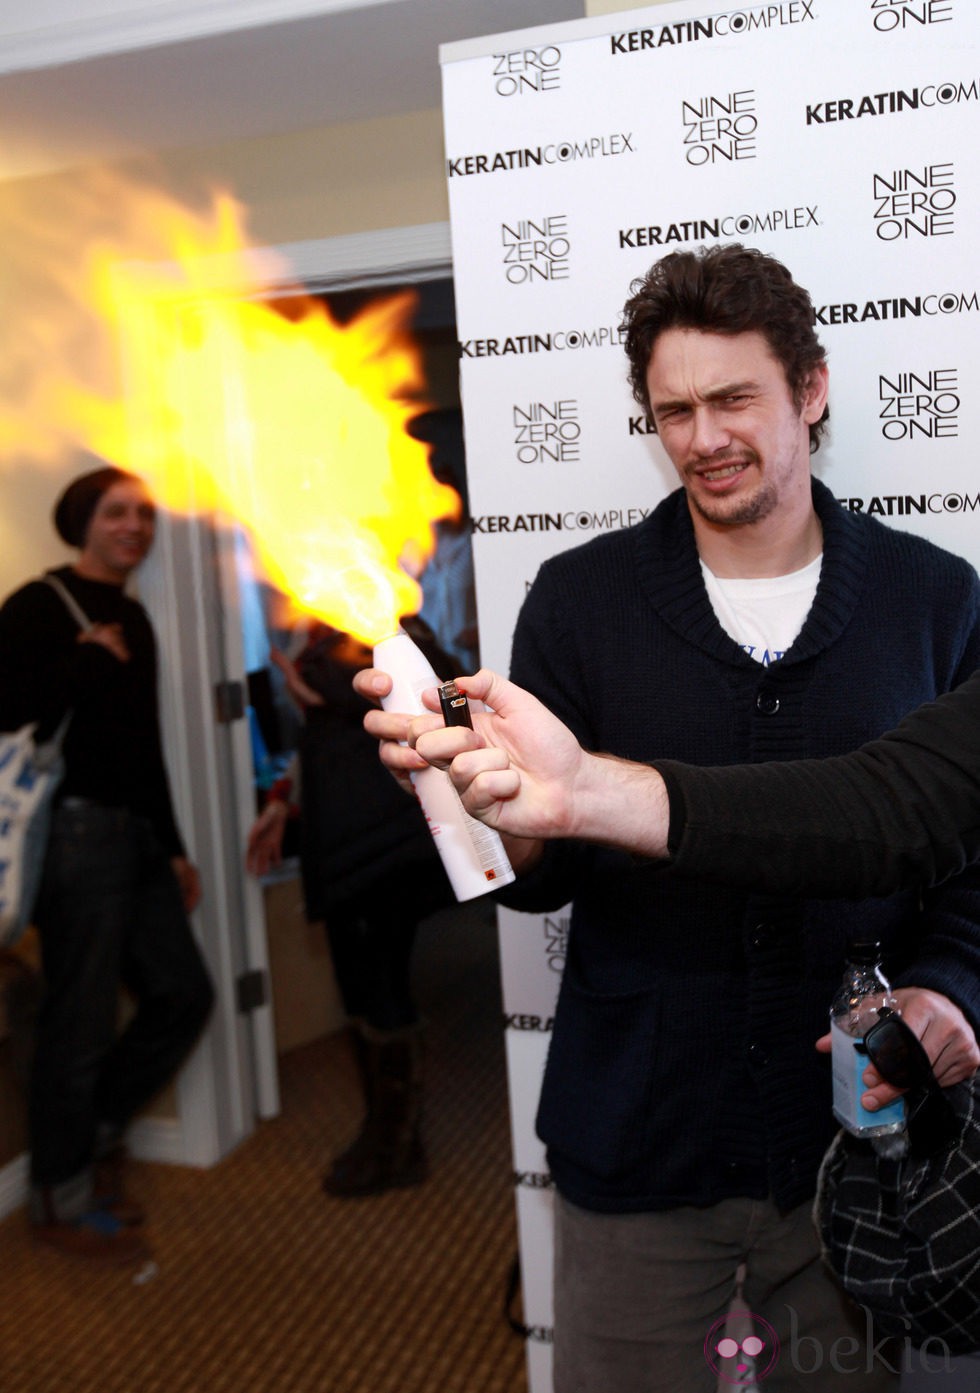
x,y
293,426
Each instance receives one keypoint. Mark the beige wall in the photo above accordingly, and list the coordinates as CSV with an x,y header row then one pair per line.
x,y
28,543
331,181
608,7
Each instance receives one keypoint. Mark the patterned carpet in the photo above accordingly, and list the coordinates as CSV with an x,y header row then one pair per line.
x,y
267,1286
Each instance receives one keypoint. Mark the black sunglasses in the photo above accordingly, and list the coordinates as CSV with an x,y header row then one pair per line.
x,y
899,1057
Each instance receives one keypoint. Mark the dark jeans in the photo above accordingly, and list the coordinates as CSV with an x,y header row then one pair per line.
x,y
109,914
371,940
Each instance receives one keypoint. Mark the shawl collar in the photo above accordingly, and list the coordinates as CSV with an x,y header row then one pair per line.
x,y
669,573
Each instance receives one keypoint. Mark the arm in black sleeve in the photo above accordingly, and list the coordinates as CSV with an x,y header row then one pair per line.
x,y
43,667
902,811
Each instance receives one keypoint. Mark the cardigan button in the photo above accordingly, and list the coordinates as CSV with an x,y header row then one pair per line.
x,y
761,936
758,1054
767,703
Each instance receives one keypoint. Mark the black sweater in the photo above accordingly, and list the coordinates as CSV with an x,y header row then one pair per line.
x,y
682,1068
902,811
112,749
358,826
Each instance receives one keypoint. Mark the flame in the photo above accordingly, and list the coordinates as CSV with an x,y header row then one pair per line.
x,y
291,425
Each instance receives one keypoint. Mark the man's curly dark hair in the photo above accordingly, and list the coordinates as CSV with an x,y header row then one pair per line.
x,y
724,290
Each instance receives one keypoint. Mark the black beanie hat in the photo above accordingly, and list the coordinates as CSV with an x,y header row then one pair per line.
x,y
73,510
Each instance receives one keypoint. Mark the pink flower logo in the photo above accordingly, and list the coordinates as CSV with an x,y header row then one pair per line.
x,y
744,1362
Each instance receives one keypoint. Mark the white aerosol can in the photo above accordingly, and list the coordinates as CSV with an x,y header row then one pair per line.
x,y
471,852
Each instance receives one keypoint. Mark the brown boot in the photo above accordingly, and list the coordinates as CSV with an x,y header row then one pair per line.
x,y
387,1152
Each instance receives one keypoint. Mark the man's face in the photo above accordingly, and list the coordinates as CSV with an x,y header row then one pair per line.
x,y
726,417
120,532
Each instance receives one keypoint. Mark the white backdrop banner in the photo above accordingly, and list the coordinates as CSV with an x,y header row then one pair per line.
x,y
839,135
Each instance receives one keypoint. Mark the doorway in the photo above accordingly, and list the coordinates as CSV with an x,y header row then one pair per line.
x,y
303,992
193,598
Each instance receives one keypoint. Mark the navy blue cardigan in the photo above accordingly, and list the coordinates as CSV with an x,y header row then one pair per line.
x,y
903,810
682,1068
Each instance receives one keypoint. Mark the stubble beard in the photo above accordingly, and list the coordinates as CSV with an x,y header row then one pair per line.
x,y
739,512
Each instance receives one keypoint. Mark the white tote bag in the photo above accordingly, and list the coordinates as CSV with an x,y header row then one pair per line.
x,y
29,778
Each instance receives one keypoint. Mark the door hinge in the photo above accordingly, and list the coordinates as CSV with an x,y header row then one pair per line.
x,y
252,989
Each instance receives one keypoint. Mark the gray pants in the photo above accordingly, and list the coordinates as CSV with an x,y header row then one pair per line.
x,y
641,1302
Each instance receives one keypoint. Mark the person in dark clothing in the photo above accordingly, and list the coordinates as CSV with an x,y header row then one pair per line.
x,y
899,813
684,1107
370,874
116,885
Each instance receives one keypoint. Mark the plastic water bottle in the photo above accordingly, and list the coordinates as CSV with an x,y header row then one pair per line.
x,y
852,1014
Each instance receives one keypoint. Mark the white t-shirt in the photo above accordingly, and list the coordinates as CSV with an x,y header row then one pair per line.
x,y
764,615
